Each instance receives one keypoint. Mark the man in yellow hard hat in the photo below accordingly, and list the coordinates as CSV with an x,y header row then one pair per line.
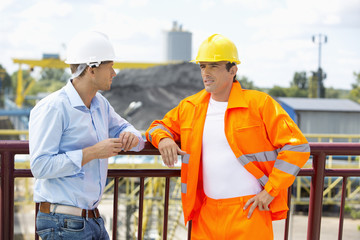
x,y
240,151
72,133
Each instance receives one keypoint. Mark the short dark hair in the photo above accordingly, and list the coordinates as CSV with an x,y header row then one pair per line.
x,y
228,66
74,67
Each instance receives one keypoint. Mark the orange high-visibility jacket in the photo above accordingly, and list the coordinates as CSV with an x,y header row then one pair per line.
x,y
261,134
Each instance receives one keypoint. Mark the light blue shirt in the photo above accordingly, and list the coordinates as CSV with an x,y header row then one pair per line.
x,y
60,127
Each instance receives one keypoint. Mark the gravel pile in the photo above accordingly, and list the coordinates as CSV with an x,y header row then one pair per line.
x,y
159,89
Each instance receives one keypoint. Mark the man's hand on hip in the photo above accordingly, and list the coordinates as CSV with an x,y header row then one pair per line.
x,y
261,200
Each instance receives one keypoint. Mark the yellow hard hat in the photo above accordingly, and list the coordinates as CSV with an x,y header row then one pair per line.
x,y
217,48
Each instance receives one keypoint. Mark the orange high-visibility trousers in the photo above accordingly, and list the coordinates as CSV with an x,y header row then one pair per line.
x,y
225,219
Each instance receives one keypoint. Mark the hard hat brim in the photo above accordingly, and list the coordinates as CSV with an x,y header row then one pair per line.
x,y
212,60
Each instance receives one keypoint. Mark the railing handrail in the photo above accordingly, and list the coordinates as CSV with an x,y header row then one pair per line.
x,y
319,151
330,135
335,149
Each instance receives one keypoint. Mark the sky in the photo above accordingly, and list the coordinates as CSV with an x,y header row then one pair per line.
x,y
273,37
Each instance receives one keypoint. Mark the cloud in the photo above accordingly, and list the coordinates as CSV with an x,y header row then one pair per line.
x,y
124,3
274,36
35,26
5,3
254,4
207,4
122,25
45,9
138,3
310,13
282,39
136,38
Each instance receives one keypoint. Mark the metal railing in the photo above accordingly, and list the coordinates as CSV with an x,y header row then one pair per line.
x,y
314,137
318,172
332,137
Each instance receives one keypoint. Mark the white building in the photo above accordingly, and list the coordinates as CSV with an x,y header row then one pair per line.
x,y
323,115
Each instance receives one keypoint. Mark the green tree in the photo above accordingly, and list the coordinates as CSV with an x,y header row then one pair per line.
x,y
300,81
51,80
246,83
355,92
332,93
46,86
299,86
54,74
313,86
277,91
26,79
5,84
314,92
5,79
294,91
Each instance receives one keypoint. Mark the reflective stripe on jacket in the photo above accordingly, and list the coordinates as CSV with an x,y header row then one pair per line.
x,y
261,134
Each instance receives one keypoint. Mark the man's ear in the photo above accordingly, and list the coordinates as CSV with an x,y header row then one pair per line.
x,y
90,70
233,70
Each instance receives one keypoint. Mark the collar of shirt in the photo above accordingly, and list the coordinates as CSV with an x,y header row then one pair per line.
x,y
75,99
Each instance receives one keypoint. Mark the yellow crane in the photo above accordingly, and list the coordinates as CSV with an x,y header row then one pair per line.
x,y
57,63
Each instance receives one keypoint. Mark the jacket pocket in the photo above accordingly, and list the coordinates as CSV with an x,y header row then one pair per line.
x,y
250,138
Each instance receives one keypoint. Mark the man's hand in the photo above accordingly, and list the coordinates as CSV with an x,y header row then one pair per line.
x,y
261,200
169,150
107,148
110,147
128,140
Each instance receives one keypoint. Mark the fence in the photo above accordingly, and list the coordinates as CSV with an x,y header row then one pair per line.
x,y
318,172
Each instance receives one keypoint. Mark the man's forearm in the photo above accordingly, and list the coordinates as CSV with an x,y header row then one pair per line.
x,y
89,154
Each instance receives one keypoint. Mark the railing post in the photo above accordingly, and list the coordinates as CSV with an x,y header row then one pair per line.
x,y
189,229
115,206
7,196
287,220
316,196
141,208
37,206
166,207
342,206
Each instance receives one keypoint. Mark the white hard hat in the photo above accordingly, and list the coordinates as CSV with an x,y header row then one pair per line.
x,y
90,48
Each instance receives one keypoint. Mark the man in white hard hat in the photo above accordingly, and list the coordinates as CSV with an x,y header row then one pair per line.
x,y
72,132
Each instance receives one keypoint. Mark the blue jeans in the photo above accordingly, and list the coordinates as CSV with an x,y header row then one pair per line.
x,y
69,227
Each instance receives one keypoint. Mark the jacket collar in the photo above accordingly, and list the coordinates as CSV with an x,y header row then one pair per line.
x,y
199,98
236,98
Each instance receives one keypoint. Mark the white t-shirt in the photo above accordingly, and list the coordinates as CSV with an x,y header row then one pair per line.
x,y
223,174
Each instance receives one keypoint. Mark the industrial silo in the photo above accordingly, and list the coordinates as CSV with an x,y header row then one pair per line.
x,y
178,44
